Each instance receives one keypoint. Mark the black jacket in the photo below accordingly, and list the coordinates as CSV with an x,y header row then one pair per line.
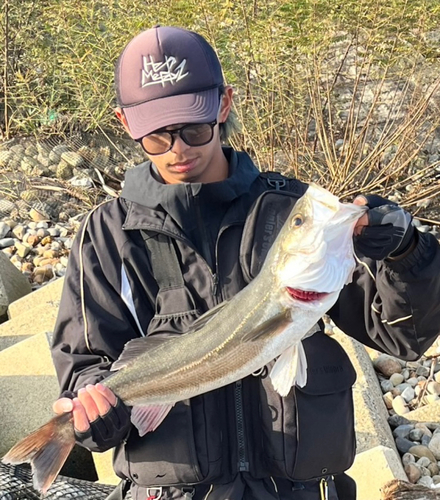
x,y
110,296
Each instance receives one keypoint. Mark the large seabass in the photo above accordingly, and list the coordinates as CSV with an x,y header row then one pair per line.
x,y
306,268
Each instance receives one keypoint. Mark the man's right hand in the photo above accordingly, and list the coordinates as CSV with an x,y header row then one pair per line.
x,y
100,419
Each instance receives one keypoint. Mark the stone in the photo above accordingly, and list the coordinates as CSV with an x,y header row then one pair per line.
x,y
33,240
403,431
413,473
412,381
425,481
19,231
407,458
408,394
7,242
396,420
387,386
405,445
400,405
436,479
422,371
419,451
13,285
42,233
42,274
5,158
433,469
387,365
434,445
73,159
38,215
423,461
23,249
388,400
396,379
434,388
424,428
4,229
425,440
416,434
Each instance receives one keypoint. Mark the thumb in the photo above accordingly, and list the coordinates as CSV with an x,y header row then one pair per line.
x,y
62,405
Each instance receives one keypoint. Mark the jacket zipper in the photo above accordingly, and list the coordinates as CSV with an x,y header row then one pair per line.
x,y
243,464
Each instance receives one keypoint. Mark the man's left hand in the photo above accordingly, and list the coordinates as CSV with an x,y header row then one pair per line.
x,y
385,231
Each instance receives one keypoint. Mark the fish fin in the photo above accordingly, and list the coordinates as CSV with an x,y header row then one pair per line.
x,y
148,418
46,449
207,316
270,327
136,347
290,368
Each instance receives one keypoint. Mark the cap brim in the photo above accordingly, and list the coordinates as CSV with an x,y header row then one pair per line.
x,y
200,107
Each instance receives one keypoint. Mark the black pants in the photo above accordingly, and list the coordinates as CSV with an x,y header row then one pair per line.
x,y
342,488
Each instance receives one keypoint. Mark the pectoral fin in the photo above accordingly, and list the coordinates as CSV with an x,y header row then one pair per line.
x,y
289,369
272,326
148,418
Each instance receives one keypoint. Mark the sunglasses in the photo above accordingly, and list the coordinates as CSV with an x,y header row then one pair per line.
x,y
193,134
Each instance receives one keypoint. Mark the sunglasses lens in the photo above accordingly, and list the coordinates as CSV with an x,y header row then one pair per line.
x,y
157,144
197,135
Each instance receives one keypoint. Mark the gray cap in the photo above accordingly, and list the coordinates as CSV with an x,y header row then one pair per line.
x,y
167,75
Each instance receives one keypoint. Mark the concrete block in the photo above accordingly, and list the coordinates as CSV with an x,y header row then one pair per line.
x,y
13,284
372,469
28,387
371,415
37,320
48,294
104,468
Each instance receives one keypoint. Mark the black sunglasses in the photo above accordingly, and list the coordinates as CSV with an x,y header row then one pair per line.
x,y
162,140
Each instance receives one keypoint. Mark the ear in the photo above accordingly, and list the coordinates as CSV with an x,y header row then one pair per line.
x,y
119,112
226,104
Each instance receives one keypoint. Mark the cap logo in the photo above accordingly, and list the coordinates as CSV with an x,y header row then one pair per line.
x,y
163,72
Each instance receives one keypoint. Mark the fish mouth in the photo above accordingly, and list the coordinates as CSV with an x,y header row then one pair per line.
x,y
304,295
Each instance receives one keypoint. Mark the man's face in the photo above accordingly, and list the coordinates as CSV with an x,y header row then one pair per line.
x,y
184,163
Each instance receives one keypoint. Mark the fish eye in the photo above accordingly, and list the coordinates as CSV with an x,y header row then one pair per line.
x,y
297,221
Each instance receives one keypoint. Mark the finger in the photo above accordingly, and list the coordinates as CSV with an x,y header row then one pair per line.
x,y
107,393
62,405
89,404
100,400
360,200
80,419
360,224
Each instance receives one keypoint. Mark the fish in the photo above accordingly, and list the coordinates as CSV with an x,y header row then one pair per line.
x,y
309,263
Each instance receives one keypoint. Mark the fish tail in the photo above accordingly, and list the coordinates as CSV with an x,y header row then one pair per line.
x,y
46,449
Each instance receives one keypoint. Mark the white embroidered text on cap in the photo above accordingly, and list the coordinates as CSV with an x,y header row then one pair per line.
x,y
160,73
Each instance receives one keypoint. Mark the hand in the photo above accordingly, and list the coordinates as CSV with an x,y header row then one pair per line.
x,y
385,231
100,419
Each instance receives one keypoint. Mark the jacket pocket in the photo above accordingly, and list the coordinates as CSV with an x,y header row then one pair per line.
x,y
310,432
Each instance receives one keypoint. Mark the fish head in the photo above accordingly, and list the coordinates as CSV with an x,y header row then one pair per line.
x,y
314,250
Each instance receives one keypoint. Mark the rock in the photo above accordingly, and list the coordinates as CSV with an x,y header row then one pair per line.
x,y
416,435
424,428
5,158
408,394
419,451
387,365
403,431
434,388
425,481
396,379
422,371
387,386
73,159
388,400
38,214
7,242
19,231
433,469
42,274
42,233
23,249
412,381
413,473
400,405
412,365
64,170
405,445
396,420
51,254
436,479
425,440
33,240
57,151
13,285
423,461
407,458
434,446
4,229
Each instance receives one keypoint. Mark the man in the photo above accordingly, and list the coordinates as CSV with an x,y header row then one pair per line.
x,y
242,441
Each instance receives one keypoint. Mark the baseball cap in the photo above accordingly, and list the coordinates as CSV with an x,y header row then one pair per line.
x,y
167,75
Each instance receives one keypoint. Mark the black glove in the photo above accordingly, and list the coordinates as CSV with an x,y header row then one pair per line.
x,y
107,431
389,233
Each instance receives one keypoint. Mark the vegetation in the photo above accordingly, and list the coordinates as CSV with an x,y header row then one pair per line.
x,y
342,92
